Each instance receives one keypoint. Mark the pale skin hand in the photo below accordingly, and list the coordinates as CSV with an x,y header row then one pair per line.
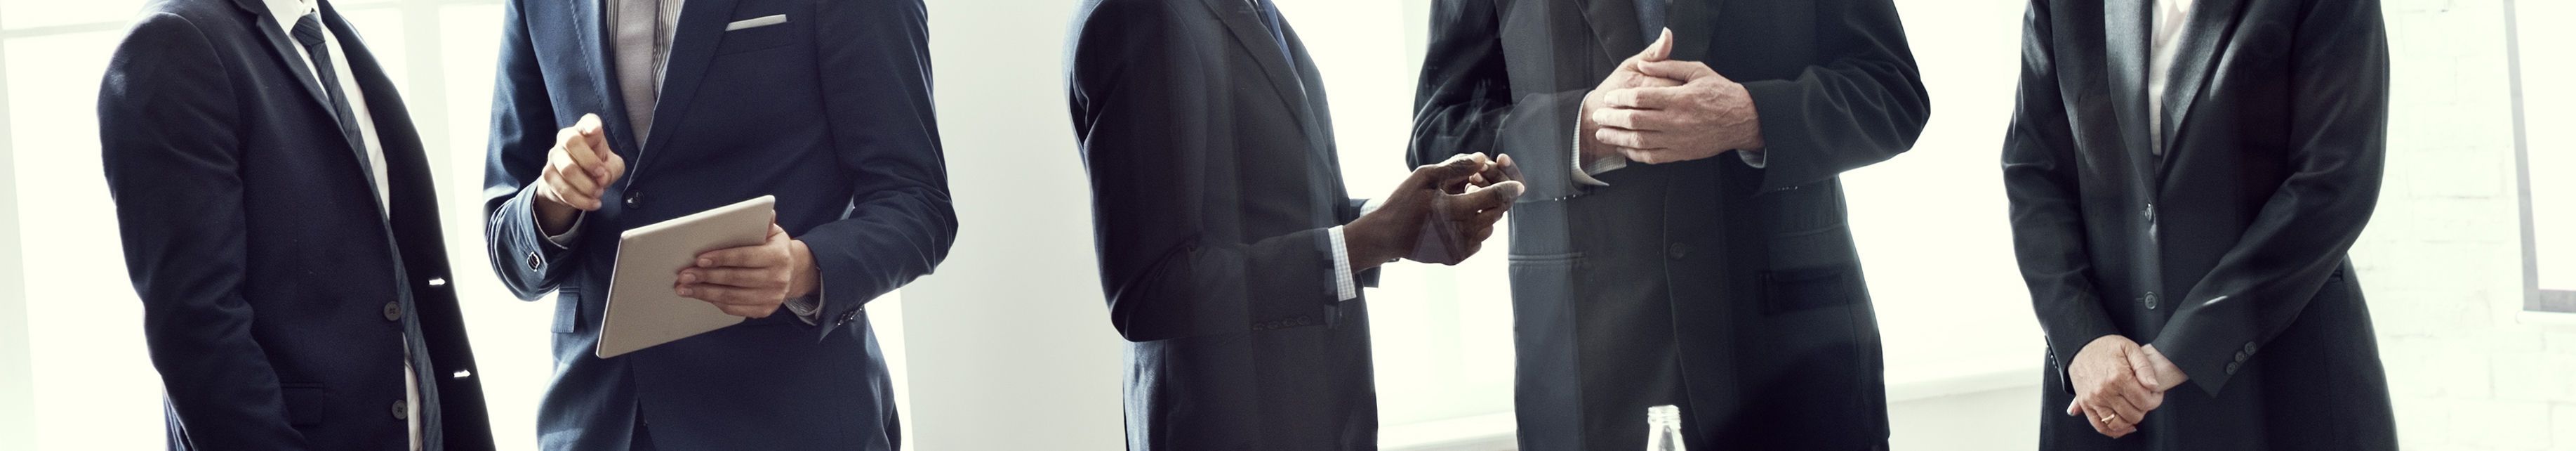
x,y
752,281
2165,373
1433,216
2115,385
1626,76
578,171
1705,116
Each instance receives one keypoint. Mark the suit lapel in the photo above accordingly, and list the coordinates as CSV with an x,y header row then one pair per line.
x,y
2125,24
589,27
355,54
1248,32
285,48
1614,26
394,132
1327,162
2212,22
702,26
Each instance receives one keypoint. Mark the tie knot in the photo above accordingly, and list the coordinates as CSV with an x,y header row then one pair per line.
x,y
308,30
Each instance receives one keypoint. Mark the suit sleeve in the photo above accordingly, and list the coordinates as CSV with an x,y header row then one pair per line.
x,y
1865,104
167,117
523,131
2041,180
1165,197
1465,104
875,72
2338,133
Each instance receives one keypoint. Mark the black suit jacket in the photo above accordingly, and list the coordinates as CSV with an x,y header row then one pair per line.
x,y
1214,181
1731,290
2227,252
275,293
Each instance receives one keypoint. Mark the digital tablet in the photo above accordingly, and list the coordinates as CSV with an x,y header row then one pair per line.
x,y
643,309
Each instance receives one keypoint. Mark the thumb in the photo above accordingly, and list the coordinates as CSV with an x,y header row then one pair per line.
x,y
2145,368
1661,50
1498,195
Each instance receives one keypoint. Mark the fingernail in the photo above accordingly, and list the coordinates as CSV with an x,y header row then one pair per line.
x,y
688,277
685,291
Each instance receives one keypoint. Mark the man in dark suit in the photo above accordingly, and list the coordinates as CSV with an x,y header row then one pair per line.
x,y
281,229
615,114
2164,194
1684,240
1230,252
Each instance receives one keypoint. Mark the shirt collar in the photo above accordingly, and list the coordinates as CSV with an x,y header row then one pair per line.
x,y
287,11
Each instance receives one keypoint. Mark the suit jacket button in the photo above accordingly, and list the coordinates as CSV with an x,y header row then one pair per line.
x,y
2149,212
402,409
2249,348
634,199
393,311
2151,300
2240,356
2232,366
535,261
1678,250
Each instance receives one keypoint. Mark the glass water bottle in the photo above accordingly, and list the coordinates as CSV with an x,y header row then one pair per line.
x,y
1664,428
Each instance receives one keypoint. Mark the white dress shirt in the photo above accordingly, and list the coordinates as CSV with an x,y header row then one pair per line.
x,y
2170,18
286,13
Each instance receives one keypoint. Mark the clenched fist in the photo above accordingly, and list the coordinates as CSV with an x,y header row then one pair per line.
x,y
578,172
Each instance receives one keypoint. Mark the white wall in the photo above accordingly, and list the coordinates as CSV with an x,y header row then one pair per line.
x,y
1009,342
2442,259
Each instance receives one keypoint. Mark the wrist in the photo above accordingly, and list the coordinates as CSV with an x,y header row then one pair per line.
x,y
1368,243
553,217
1586,148
805,276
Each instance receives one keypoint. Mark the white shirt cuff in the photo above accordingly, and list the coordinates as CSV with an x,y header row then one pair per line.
x,y
810,307
1583,171
565,240
1754,158
1343,287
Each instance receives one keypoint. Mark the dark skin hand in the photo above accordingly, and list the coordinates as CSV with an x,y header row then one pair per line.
x,y
1438,215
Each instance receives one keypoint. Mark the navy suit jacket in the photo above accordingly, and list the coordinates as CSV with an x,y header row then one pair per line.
x,y
830,111
275,292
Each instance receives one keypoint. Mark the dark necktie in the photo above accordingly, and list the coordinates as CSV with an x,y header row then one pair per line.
x,y
308,31
1270,19
1650,18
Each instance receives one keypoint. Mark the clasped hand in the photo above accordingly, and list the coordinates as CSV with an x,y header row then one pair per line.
x,y
2117,382
1655,110
1442,213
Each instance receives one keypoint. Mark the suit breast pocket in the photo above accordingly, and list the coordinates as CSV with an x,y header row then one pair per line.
x,y
758,32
